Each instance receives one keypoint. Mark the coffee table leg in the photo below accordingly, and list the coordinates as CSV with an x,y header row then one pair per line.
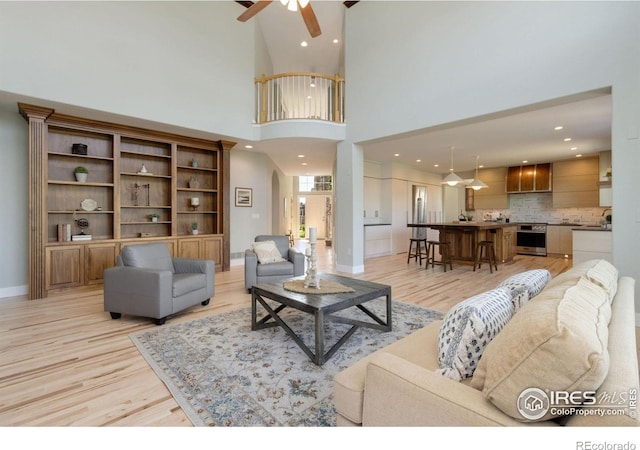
x,y
319,356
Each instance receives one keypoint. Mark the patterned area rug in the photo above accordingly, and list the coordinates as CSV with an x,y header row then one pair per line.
x,y
223,374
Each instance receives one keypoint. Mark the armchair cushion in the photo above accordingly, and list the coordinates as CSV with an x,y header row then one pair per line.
x,y
183,283
267,252
149,256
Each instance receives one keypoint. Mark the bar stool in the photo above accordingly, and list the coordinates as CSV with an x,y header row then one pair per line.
x,y
489,255
420,242
445,254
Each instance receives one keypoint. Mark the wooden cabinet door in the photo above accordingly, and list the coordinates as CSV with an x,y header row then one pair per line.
x,y
190,248
213,249
543,177
527,176
98,258
64,266
513,179
553,238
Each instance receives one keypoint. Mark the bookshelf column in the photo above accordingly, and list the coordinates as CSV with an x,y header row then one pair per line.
x,y
36,117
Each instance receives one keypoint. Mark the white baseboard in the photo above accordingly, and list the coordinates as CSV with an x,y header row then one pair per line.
x,y
349,269
14,291
237,262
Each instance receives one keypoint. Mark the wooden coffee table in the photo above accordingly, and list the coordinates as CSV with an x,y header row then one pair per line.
x,y
323,307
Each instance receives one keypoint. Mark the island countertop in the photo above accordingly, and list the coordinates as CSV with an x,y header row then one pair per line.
x,y
475,225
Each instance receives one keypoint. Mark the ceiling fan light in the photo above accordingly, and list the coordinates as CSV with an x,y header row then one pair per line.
x,y
303,3
284,2
293,5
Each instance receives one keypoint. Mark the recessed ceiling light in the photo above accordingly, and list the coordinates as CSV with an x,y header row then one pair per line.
x,y
335,41
300,156
303,43
304,164
525,161
480,166
574,148
567,139
248,146
418,160
560,127
436,165
578,156
308,97
396,154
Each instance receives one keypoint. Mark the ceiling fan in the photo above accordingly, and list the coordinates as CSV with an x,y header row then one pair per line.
x,y
309,17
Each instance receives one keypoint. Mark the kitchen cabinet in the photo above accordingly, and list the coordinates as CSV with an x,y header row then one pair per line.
x,y
529,178
494,196
592,244
559,240
377,240
506,243
575,183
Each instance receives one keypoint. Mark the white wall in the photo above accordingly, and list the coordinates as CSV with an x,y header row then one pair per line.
x,y
169,62
14,186
253,170
448,61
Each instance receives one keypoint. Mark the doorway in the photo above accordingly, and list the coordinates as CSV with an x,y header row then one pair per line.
x,y
313,213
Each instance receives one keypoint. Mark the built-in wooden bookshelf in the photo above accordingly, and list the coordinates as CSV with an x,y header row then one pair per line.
x,y
142,185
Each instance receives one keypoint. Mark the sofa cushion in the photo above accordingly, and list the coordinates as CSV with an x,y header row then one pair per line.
x,y
267,252
556,343
532,280
467,329
183,283
605,275
148,256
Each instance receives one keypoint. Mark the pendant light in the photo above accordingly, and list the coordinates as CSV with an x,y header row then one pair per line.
x,y
476,184
452,179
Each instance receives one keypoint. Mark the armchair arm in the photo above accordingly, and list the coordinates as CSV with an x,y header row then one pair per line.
x,y
191,265
250,268
138,291
297,258
400,393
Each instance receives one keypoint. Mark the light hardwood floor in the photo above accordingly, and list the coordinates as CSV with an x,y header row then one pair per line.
x,y
65,362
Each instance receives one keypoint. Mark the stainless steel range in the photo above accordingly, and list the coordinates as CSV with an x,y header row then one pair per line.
x,y
532,239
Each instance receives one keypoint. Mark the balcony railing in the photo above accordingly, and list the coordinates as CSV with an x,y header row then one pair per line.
x,y
299,96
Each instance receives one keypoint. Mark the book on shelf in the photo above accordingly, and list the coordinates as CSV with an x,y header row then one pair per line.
x,y
64,232
81,237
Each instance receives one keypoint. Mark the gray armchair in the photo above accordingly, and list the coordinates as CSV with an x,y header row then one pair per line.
x,y
255,273
148,282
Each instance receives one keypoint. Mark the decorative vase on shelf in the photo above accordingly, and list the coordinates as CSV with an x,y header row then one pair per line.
x,y
194,183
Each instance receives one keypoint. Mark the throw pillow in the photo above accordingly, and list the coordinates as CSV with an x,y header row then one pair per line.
x,y
467,329
533,280
267,252
556,343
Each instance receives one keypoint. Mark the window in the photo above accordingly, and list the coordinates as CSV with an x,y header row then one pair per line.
x,y
315,184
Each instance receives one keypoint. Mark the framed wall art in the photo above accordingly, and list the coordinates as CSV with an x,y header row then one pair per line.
x,y
244,196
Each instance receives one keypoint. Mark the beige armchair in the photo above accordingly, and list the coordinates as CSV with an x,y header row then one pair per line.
x,y
148,282
291,264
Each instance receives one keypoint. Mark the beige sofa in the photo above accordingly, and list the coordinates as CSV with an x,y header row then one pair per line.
x,y
399,386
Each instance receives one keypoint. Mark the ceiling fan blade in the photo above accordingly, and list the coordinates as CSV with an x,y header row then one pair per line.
x,y
253,10
310,20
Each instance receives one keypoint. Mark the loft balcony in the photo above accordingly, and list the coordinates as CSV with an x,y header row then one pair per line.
x,y
299,96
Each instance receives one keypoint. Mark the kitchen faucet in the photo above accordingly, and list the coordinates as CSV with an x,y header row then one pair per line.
x,y
607,209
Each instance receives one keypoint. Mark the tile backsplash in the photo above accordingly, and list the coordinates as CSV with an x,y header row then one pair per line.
x,y
538,207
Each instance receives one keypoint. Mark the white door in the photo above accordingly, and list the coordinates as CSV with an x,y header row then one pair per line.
x,y
315,215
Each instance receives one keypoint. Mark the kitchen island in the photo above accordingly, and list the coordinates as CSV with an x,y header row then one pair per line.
x,y
464,237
